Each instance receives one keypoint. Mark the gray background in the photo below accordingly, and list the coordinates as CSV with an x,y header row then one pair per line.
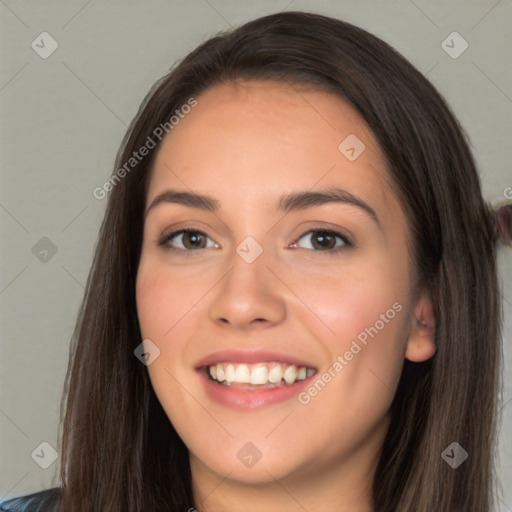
x,y
63,118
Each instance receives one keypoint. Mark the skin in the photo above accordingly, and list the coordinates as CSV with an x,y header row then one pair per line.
x,y
246,144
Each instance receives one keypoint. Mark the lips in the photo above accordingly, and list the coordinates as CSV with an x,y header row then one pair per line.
x,y
250,356
252,378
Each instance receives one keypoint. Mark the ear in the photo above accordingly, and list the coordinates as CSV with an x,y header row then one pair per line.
x,y
421,342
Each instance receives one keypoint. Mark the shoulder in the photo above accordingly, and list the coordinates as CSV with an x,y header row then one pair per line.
x,y
42,501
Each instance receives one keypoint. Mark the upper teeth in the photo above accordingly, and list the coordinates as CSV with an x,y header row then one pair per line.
x,y
259,373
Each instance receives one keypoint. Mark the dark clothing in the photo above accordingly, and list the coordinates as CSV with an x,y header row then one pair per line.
x,y
42,501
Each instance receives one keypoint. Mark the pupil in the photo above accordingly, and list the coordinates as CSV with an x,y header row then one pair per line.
x,y
324,239
194,238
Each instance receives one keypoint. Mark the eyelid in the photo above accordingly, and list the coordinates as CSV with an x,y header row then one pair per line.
x,y
168,235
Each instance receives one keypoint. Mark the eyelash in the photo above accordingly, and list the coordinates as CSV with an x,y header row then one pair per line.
x,y
166,237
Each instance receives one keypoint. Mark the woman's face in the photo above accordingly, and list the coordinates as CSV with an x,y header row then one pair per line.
x,y
309,299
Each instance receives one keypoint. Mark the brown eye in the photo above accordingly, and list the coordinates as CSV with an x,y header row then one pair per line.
x,y
189,239
193,240
326,240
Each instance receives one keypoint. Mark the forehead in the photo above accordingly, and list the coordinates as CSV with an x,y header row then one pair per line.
x,y
257,140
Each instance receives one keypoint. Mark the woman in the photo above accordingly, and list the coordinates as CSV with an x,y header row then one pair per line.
x,y
226,355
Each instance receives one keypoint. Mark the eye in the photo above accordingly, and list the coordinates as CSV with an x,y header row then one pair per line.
x,y
190,240
325,240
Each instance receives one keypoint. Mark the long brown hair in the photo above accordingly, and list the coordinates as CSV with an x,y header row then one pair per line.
x,y
119,449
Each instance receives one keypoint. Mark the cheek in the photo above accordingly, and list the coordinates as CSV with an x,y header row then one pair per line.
x,y
349,301
169,310
164,298
164,309
360,317
153,309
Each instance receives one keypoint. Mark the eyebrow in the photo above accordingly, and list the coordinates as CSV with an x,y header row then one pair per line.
x,y
295,201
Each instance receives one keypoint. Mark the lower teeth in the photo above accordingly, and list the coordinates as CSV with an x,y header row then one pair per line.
x,y
247,385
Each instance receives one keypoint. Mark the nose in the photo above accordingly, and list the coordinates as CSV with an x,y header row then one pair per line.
x,y
249,295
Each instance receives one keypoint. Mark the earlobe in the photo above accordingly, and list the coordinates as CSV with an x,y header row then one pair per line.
x,y
421,342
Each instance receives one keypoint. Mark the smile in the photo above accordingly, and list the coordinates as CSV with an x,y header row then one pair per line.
x,y
253,378
258,375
